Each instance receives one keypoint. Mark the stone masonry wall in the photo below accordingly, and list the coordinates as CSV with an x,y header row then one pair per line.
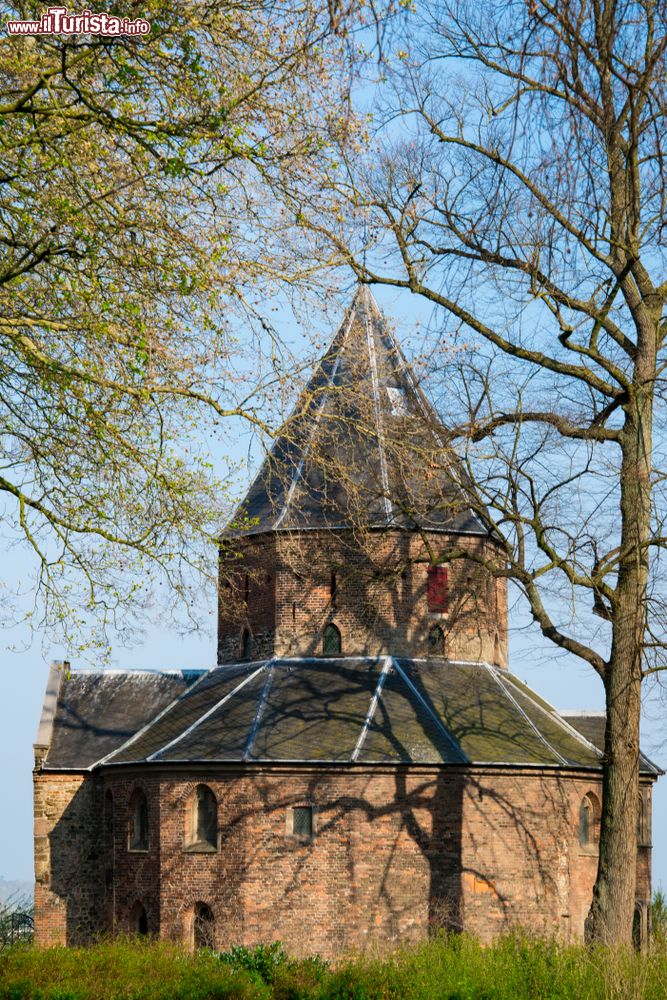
x,y
379,603
69,872
396,853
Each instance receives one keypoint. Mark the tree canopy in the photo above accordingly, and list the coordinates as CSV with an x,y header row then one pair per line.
x,y
140,224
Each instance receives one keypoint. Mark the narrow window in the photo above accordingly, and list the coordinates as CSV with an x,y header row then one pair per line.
x,y
331,645
643,820
333,589
203,926
589,817
637,936
203,818
138,919
302,821
246,590
246,644
585,822
138,832
436,641
438,588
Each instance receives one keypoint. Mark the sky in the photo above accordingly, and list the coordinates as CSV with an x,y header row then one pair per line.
x,y
561,679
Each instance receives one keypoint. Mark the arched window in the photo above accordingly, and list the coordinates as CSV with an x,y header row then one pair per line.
x,y
246,644
202,829
138,826
589,816
637,935
436,641
203,926
331,645
138,919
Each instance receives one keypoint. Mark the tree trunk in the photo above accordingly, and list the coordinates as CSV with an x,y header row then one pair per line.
x,y
612,909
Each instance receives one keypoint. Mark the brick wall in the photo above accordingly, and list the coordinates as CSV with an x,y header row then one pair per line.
x,y
380,602
396,852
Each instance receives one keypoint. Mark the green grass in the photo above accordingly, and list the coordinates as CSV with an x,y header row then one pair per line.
x,y
454,968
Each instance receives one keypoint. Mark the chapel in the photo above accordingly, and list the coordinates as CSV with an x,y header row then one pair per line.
x,y
361,768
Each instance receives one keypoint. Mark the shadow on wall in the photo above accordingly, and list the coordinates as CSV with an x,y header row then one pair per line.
x,y
97,885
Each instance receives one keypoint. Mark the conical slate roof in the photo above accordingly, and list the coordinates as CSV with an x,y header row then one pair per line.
x,y
362,447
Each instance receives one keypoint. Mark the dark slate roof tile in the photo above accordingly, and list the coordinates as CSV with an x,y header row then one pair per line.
x,y
363,445
591,725
402,728
343,709
224,734
484,722
315,709
97,711
195,702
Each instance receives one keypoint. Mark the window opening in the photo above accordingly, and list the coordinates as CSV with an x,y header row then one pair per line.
x,y
138,839
245,644
203,926
588,820
331,644
138,919
204,817
333,589
246,590
302,821
438,588
436,641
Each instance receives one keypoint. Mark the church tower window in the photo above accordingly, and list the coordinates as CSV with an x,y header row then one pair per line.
x,y
438,589
246,644
331,644
436,641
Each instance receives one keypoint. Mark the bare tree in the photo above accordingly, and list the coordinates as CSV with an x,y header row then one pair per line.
x,y
140,234
519,186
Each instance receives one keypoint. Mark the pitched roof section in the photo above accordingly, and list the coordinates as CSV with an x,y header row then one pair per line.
x,y
363,445
97,711
591,725
362,710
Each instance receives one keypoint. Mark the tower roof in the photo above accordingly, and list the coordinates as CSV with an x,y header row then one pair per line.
x,y
363,446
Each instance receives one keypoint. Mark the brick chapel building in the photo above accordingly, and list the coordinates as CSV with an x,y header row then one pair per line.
x,y
361,767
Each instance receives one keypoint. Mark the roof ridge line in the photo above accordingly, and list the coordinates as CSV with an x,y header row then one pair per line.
x,y
388,508
372,707
299,469
152,721
198,722
438,721
563,722
525,715
252,736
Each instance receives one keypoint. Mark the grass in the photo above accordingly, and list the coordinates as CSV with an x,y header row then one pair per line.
x,y
447,968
